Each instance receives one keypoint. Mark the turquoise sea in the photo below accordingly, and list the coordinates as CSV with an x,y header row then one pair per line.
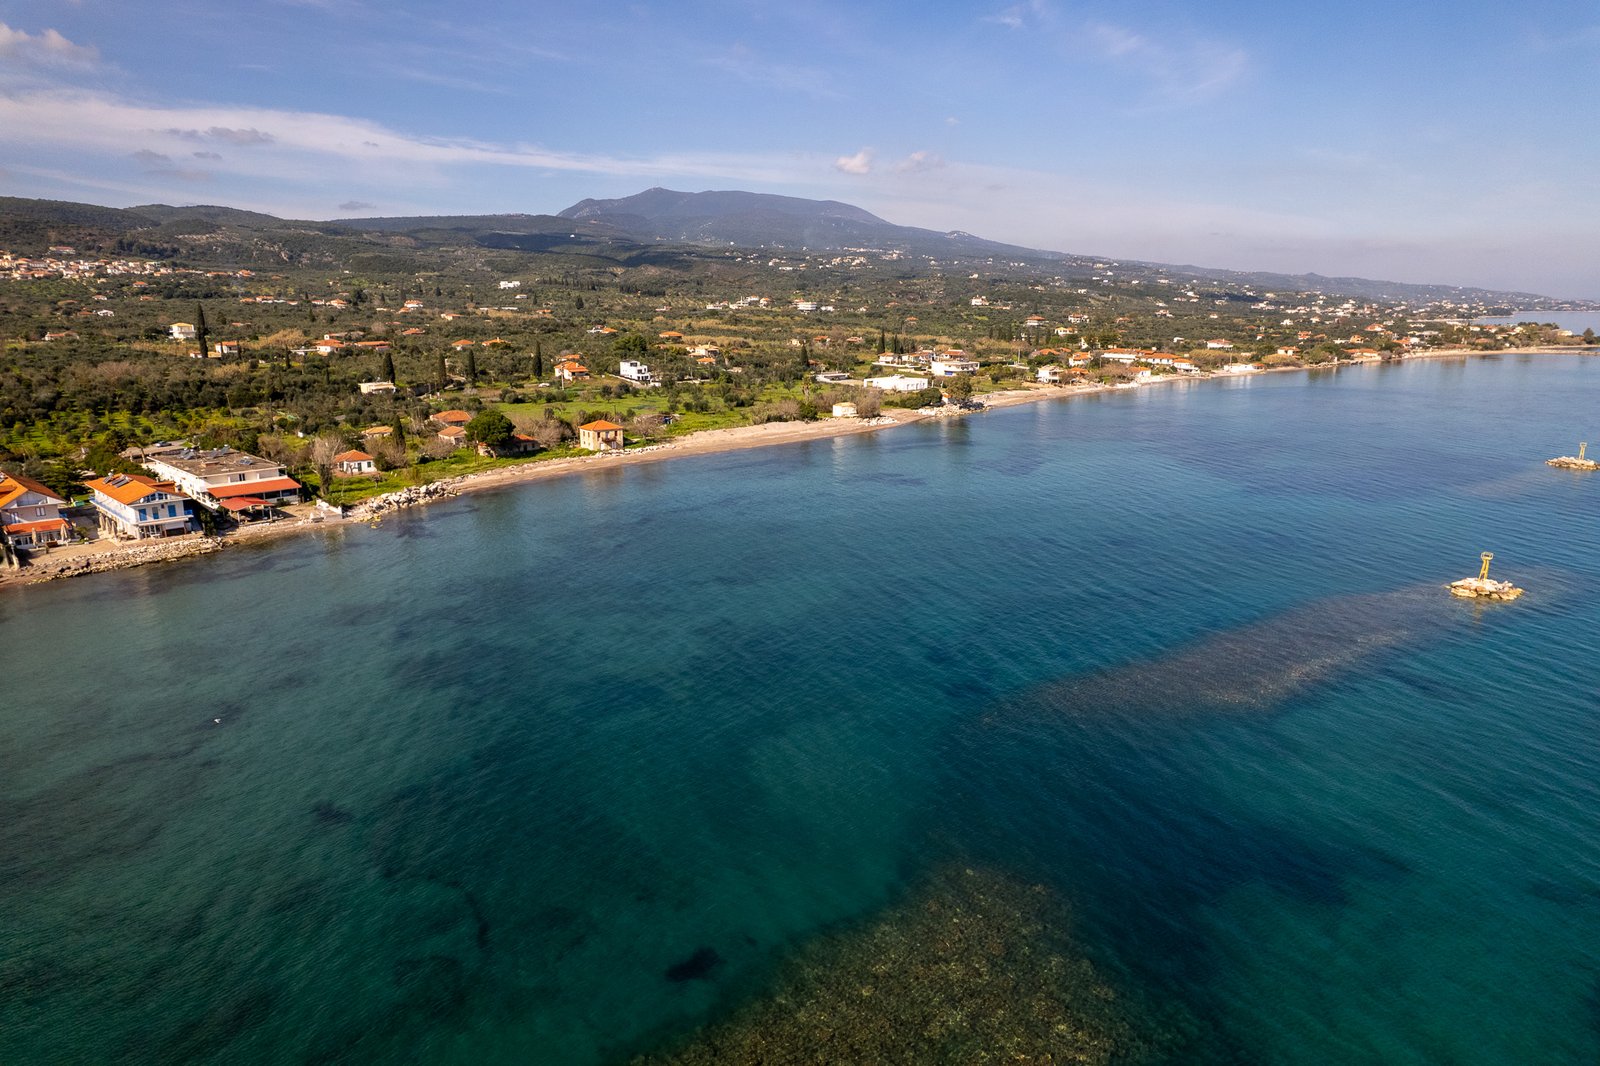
x,y
561,773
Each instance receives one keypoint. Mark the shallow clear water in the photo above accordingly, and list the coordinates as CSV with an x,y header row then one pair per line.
x,y
484,774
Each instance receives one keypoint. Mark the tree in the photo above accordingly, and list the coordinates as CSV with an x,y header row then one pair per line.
x,y
388,367
960,387
200,331
490,427
1588,336
323,449
472,367
538,361
441,373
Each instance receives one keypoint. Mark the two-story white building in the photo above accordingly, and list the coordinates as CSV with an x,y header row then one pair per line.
x,y
212,477
30,514
949,364
136,507
636,371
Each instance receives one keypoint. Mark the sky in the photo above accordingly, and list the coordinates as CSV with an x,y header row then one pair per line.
x,y
1412,142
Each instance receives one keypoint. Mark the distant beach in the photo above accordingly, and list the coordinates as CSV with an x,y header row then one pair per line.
x,y
96,557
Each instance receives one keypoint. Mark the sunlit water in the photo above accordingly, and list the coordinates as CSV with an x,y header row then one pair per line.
x,y
559,773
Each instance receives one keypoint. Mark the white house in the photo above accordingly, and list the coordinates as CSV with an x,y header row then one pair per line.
x,y
139,508
183,331
898,383
634,370
832,377
368,388
1051,375
354,463
511,284
214,477
845,410
30,514
950,364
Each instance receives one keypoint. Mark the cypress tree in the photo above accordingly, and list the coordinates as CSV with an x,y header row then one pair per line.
x,y
442,373
538,361
388,367
472,367
200,331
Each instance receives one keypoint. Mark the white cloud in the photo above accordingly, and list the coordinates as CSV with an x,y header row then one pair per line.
x,y
1191,69
1011,17
860,163
287,145
917,162
241,137
44,49
357,205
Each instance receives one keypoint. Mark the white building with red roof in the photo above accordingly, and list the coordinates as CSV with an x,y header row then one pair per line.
x,y
138,507
216,476
30,513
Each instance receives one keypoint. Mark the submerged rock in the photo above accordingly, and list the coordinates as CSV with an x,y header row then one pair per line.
x,y
696,967
973,968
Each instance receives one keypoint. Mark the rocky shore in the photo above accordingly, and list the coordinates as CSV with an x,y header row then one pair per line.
x,y
394,501
158,551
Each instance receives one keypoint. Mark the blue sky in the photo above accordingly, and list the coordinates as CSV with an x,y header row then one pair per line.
x,y
1430,143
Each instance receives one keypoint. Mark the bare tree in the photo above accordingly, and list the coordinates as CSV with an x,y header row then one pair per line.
x,y
549,432
390,454
323,448
645,424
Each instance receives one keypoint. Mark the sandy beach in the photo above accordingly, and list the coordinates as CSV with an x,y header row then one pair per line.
x,y
99,556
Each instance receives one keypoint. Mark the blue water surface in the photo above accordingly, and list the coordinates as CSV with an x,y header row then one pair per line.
x,y
476,784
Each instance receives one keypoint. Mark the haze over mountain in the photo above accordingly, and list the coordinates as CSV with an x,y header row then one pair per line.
x,y
649,223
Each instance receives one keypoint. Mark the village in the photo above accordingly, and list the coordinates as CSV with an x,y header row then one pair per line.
x,y
147,400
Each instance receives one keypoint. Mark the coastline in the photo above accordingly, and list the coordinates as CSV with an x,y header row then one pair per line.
x,y
77,560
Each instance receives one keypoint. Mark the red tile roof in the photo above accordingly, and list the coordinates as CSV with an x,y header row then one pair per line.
x,y
249,488
14,485
129,488
38,527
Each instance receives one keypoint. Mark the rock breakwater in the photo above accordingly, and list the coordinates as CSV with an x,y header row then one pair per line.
x,y
394,501
160,551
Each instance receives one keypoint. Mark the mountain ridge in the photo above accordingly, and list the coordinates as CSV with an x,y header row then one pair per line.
x,y
646,223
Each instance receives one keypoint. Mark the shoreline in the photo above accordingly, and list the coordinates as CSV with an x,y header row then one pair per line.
x,y
92,558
